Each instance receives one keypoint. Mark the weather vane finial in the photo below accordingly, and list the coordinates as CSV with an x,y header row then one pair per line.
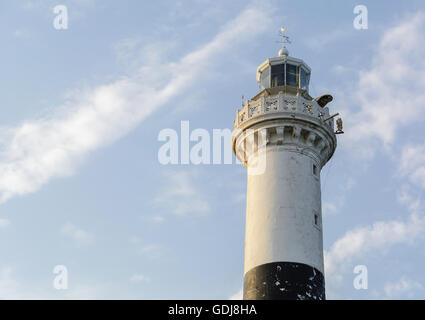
x,y
285,39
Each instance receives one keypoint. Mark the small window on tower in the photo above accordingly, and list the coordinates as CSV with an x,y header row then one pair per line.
x,y
316,220
314,169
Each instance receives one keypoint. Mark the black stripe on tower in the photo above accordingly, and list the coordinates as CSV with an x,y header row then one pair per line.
x,y
284,281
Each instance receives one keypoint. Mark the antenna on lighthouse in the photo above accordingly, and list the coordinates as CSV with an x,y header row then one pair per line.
x,y
285,39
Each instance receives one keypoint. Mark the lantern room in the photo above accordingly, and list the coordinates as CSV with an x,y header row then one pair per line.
x,y
284,71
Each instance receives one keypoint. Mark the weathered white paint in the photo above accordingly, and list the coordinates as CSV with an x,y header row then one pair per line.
x,y
281,208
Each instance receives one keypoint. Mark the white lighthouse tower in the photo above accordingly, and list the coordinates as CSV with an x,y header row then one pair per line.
x,y
284,137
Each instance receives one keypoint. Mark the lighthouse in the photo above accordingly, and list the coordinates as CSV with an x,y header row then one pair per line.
x,y
284,137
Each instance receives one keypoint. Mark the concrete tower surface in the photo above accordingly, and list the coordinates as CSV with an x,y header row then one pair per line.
x,y
284,137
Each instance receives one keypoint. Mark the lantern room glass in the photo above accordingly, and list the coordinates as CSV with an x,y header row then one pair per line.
x,y
291,75
285,74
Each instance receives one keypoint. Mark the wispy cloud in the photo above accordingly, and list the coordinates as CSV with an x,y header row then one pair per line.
x,y
82,292
181,195
155,218
4,223
335,206
39,150
138,277
358,243
412,164
403,288
150,251
237,296
390,93
409,198
9,287
390,96
355,246
80,236
20,33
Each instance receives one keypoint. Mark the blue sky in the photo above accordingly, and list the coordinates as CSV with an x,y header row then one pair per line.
x,y
81,184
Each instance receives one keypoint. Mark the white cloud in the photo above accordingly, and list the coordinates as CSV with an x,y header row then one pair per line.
x,y
402,288
240,197
358,243
391,92
80,236
151,251
390,95
412,164
138,277
340,70
329,208
407,198
12,289
9,288
39,150
181,196
4,223
157,219
339,197
21,33
237,296
82,292
134,239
